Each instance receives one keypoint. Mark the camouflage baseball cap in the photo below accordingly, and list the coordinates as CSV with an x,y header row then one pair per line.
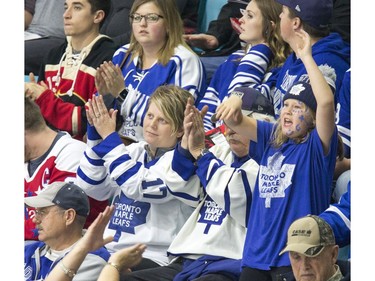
x,y
308,236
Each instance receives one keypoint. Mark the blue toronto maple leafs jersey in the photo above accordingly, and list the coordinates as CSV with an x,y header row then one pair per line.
x,y
343,113
293,181
338,217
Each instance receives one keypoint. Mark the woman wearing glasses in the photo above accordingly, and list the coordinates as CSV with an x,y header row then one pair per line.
x,y
157,54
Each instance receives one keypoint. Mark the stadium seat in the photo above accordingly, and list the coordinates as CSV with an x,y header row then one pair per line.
x,y
208,10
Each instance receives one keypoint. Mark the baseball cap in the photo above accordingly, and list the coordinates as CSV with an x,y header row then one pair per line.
x,y
316,13
66,195
302,91
254,103
308,236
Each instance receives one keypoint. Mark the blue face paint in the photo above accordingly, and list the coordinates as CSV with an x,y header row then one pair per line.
x,y
289,132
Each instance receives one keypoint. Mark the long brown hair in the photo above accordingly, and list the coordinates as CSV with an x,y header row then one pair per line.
x,y
271,11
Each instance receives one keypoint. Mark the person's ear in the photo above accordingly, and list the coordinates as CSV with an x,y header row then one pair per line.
x,y
70,216
273,24
99,16
297,23
335,253
180,133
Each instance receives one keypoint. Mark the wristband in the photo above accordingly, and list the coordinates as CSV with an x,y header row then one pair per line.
x,y
122,96
68,272
115,266
204,151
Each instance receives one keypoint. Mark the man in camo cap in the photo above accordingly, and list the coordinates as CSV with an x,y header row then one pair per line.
x,y
312,250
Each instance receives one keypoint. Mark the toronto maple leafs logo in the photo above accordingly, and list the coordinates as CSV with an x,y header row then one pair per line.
x,y
297,89
211,214
128,214
274,178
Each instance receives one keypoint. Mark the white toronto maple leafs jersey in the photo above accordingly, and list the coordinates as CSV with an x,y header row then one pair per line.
x,y
184,69
218,225
145,210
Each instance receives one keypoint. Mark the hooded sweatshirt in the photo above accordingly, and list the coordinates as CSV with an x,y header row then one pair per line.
x,y
70,79
331,54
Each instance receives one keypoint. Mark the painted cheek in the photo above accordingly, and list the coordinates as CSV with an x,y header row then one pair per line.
x,y
296,111
289,132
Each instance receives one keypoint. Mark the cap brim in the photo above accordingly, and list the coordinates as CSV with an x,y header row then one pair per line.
x,y
246,112
37,202
303,249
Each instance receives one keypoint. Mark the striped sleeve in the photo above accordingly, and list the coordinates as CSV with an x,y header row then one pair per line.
x,y
338,217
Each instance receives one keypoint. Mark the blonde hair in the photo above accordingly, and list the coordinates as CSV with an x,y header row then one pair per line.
x,y
171,100
173,25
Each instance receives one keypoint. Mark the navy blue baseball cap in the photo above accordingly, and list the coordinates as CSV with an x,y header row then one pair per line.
x,y
63,194
254,101
316,13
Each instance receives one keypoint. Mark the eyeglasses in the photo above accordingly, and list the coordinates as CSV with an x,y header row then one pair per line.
x,y
42,213
150,18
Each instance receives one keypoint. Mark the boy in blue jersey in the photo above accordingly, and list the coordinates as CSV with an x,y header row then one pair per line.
x,y
329,50
61,211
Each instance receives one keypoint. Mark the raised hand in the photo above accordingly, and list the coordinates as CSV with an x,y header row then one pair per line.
x,y
303,47
93,238
187,124
109,79
128,257
230,111
196,134
99,116
33,90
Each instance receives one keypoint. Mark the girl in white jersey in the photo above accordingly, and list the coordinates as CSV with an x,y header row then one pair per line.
x,y
133,176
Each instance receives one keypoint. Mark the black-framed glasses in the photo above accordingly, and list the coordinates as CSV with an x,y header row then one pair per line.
x,y
150,18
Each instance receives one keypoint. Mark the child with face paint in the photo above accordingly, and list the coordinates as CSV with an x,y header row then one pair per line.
x,y
296,157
